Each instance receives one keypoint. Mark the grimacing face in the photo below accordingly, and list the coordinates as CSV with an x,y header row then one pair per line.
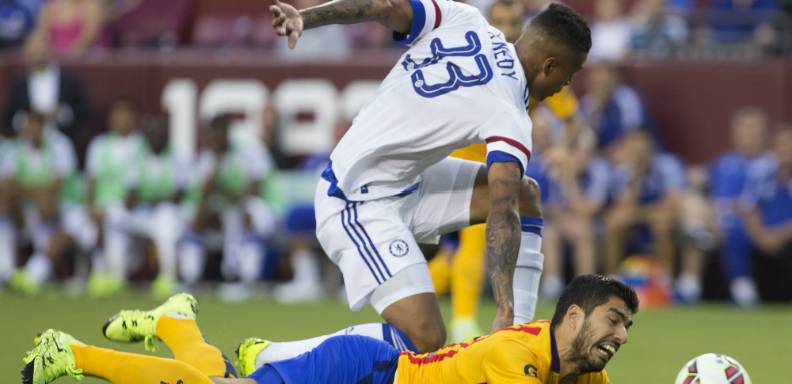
x,y
603,332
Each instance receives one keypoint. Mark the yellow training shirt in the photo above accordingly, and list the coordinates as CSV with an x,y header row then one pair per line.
x,y
523,353
563,105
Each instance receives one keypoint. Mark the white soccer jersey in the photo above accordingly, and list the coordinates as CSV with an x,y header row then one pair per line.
x,y
57,156
252,161
113,152
459,83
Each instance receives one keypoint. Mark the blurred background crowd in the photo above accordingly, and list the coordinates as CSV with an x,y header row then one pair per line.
x,y
96,199
621,28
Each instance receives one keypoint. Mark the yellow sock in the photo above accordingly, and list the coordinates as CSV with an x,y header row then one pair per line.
x,y
185,340
129,368
467,272
440,270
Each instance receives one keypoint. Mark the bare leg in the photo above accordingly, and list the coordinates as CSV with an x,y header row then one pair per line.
x,y
618,224
419,317
219,380
552,246
661,222
582,234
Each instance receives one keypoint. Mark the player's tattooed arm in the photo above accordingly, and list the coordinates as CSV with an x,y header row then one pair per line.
x,y
288,21
503,236
394,14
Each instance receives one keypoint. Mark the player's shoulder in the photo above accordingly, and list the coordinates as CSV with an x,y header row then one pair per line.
x,y
100,138
98,142
460,7
455,14
534,335
762,168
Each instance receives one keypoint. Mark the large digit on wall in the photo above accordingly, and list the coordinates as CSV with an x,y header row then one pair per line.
x,y
246,97
308,109
178,98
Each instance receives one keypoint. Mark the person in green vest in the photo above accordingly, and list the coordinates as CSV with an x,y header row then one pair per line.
x,y
157,184
41,163
111,158
226,184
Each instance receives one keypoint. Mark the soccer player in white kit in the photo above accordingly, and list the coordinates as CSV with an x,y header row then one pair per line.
x,y
390,184
41,162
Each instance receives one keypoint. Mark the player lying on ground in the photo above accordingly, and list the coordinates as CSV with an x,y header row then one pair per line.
x,y
590,323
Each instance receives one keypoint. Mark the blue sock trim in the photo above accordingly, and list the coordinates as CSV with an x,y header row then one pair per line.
x,y
397,339
532,224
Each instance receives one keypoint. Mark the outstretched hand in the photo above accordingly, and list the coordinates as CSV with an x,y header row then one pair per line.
x,y
287,21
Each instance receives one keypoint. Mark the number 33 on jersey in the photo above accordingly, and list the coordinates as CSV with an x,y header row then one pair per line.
x,y
459,83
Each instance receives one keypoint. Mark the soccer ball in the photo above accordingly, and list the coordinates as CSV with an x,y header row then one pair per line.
x,y
711,368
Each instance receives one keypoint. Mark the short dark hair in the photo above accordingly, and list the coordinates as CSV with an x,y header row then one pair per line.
x,y
591,291
564,24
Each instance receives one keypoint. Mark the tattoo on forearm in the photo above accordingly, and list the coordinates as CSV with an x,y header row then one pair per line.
x,y
503,240
341,12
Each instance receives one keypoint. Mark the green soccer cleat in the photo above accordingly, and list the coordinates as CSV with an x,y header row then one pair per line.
x,y
102,286
131,326
51,358
162,287
464,330
246,355
21,283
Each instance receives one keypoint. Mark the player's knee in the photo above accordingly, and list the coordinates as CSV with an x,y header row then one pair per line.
x,y
428,336
530,198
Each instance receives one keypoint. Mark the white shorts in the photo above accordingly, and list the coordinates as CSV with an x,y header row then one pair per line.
x,y
73,220
78,224
371,241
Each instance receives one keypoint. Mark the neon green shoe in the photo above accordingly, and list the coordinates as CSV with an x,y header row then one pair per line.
x,y
246,355
51,358
162,287
21,283
464,330
101,286
131,326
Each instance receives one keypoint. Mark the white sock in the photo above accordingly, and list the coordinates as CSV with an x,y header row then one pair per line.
x,y
552,286
42,232
277,351
528,271
39,268
98,264
251,258
166,252
306,267
165,236
7,248
192,259
115,252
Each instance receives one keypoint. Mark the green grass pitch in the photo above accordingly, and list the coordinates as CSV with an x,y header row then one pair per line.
x,y
661,340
